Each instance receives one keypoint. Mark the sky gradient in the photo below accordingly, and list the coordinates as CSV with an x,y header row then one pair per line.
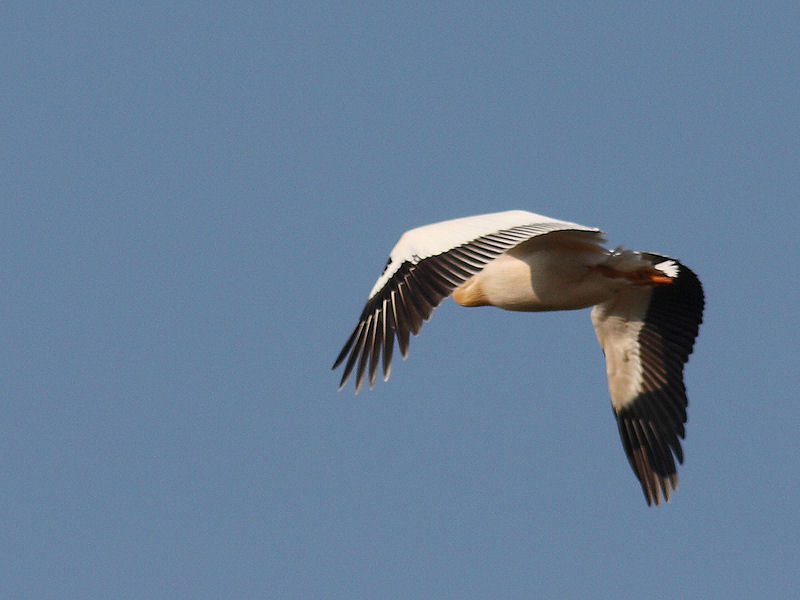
x,y
196,202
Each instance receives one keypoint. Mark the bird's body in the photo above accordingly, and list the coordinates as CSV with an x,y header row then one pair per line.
x,y
549,272
647,312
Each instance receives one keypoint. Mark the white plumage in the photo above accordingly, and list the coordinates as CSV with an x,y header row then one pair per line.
x,y
647,311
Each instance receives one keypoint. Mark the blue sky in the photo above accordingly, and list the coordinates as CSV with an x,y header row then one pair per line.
x,y
196,201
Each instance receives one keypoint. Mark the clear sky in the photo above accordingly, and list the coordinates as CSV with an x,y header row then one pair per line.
x,y
196,201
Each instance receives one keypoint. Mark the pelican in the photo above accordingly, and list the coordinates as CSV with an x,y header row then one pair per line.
x,y
647,312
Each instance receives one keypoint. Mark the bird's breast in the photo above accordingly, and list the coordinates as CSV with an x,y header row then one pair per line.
x,y
538,281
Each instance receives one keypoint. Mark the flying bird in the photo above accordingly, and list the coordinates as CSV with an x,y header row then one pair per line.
x,y
647,312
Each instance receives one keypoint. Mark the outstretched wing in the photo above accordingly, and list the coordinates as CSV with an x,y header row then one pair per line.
x,y
425,266
647,335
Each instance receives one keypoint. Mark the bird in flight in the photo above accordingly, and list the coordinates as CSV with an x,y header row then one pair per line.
x,y
647,312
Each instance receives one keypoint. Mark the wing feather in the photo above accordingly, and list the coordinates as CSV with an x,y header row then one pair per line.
x,y
388,338
647,335
425,266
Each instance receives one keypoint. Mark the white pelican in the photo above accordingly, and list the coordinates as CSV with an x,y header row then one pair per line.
x,y
647,311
